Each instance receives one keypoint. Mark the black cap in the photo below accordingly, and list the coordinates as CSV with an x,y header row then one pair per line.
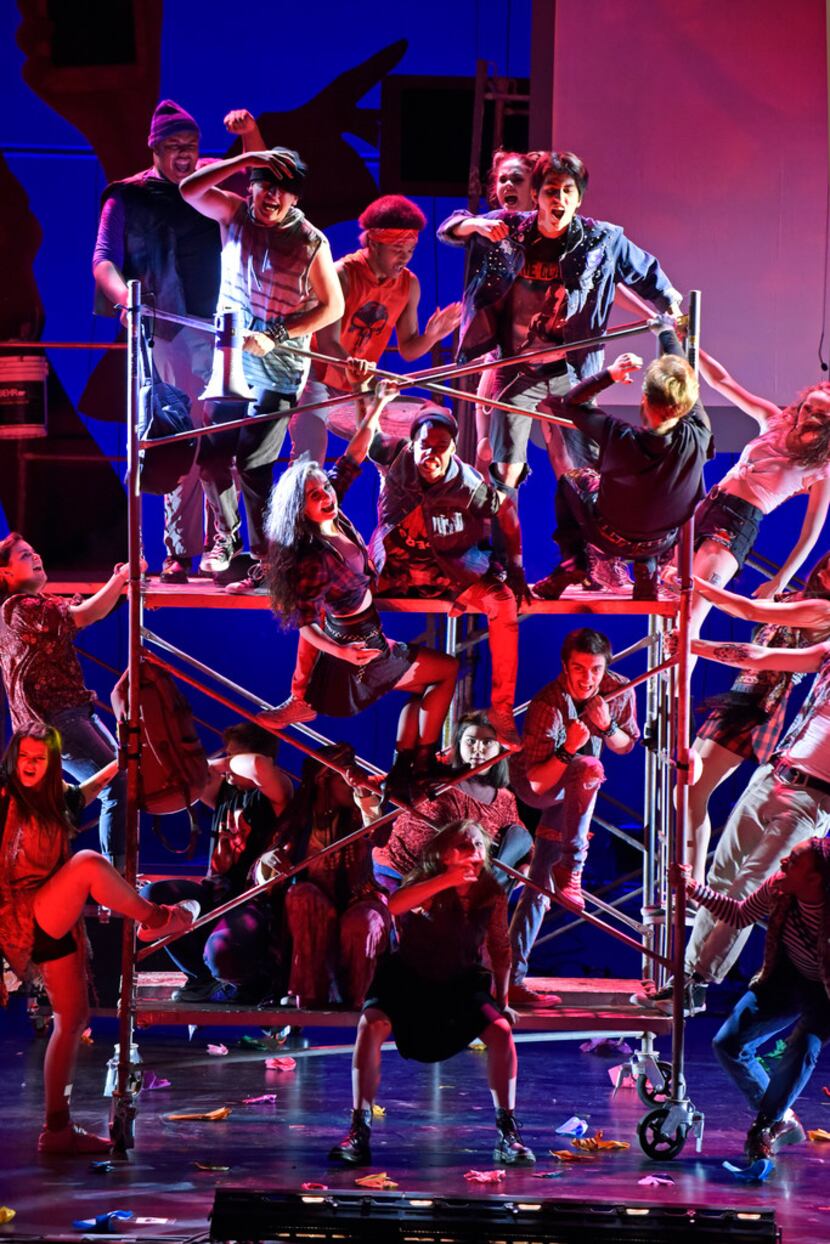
x,y
437,415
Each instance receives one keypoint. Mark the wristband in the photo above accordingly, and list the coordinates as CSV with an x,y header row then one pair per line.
x,y
603,734
277,331
564,755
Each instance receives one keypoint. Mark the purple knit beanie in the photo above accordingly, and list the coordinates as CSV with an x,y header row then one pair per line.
x,y
168,119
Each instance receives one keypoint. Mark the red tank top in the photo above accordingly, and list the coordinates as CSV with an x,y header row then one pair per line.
x,y
373,308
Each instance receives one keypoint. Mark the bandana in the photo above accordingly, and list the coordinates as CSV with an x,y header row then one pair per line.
x,y
388,237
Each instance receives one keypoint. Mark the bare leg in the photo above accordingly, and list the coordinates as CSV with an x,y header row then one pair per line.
x,y
510,473
502,1064
716,564
372,1031
558,456
434,675
718,763
65,981
60,902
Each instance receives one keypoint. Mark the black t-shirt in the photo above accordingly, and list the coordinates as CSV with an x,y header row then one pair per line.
x,y
243,827
534,309
649,484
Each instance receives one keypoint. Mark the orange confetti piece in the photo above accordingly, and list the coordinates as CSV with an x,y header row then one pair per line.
x,y
818,1134
86,1037
6,1215
381,1180
565,1155
598,1144
378,1112
203,1116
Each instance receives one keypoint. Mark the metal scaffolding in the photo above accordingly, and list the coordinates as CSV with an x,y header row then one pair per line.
x,y
660,933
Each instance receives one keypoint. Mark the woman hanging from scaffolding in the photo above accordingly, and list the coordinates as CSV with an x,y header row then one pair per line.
x,y
43,891
790,455
321,580
433,994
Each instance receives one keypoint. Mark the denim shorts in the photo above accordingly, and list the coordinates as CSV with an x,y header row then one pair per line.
x,y
729,521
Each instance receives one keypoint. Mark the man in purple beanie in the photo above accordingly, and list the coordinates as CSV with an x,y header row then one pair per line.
x,y
147,232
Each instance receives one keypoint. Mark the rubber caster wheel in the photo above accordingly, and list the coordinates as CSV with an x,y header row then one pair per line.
x,y
655,1096
653,1140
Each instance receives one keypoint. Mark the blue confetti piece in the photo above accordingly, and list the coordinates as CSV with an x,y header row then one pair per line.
x,y
104,1224
755,1173
574,1126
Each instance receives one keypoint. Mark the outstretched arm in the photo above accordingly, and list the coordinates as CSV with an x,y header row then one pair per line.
x,y
818,500
199,189
373,404
261,770
92,787
99,605
241,122
755,657
811,614
412,343
716,375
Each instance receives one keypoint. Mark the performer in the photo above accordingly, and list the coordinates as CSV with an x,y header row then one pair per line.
x,y
787,799
278,272
433,995
647,480
148,233
559,770
791,455
485,798
43,677
545,276
236,958
746,723
322,580
793,984
43,892
336,913
381,295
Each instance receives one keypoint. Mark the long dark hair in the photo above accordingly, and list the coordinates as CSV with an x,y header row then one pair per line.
x,y
45,802
813,588
289,536
498,776
817,453
431,862
295,824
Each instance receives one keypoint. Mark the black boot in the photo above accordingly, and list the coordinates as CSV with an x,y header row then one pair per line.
x,y
427,772
760,1142
355,1148
646,580
566,575
397,784
509,1148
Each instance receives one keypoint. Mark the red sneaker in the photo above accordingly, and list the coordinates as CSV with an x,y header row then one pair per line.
x,y
568,883
72,1141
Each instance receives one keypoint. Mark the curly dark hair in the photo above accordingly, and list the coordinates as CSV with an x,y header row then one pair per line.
x,y
289,535
817,453
392,211
431,862
45,802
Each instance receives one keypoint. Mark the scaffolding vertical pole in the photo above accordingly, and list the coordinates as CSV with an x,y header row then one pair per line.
x,y
682,753
123,1110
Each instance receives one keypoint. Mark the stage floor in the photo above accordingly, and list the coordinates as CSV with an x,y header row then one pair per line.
x,y
437,1125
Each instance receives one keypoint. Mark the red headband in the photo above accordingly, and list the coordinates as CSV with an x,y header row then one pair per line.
x,y
387,237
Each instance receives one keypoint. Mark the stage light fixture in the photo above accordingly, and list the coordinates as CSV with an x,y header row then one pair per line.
x,y
242,1214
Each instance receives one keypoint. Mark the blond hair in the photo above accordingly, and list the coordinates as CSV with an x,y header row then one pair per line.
x,y
670,387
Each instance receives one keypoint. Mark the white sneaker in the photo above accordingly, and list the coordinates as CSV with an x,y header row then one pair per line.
x,y
180,916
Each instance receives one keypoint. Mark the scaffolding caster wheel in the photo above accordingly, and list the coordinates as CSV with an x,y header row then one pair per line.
x,y
122,1122
663,1132
656,1089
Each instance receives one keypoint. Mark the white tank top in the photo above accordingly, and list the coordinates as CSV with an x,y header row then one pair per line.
x,y
765,475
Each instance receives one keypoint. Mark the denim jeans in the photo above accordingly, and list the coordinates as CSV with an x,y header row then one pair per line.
x,y
254,449
235,949
765,824
562,837
87,747
186,362
762,1012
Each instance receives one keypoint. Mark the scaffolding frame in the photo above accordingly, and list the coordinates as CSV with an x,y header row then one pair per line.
x,y
662,1132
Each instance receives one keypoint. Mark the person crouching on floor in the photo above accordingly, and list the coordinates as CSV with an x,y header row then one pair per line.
x,y
43,892
433,994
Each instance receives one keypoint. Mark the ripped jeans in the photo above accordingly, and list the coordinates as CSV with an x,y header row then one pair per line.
x,y
561,838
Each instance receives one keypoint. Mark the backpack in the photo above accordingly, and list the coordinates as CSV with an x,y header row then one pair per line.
x,y
164,411
174,767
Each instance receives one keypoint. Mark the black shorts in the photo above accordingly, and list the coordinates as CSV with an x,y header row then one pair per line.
x,y
729,521
46,948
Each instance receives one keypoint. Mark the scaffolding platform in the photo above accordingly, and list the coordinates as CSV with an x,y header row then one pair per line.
x,y
588,1005
204,594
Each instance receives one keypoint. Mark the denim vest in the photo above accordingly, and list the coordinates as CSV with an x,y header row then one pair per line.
x,y
597,255
173,250
459,539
